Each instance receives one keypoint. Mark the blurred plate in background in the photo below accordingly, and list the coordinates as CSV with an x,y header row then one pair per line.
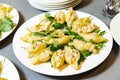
x,y
9,71
54,5
115,28
15,20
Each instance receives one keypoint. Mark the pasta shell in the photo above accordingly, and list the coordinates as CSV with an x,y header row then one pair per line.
x,y
70,16
42,57
96,38
35,49
83,46
57,59
72,57
60,17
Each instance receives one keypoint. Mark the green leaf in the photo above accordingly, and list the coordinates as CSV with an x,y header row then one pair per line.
x,y
100,45
6,24
91,41
7,20
49,17
47,32
39,34
82,58
5,27
58,26
33,42
79,37
54,35
86,53
70,32
55,44
55,47
102,33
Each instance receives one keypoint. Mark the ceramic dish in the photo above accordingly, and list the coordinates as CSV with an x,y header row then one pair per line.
x,y
15,20
55,6
90,63
115,28
9,70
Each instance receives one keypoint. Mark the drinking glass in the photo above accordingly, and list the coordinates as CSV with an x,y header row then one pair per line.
x,y
110,7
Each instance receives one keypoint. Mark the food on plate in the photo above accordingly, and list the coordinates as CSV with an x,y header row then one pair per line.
x,y
57,59
1,69
6,23
64,38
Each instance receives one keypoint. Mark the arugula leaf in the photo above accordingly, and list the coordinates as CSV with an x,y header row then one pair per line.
x,y
82,58
39,34
47,32
54,47
77,36
102,33
100,45
57,25
86,53
33,42
91,41
55,44
54,35
49,17
6,24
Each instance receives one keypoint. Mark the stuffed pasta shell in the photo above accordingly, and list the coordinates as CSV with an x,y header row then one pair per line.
x,y
29,38
72,57
84,25
95,37
84,46
71,16
57,59
44,56
35,49
57,33
61,41
43,25
60,17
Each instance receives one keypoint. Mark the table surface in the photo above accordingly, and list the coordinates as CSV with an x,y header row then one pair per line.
x,y
108,70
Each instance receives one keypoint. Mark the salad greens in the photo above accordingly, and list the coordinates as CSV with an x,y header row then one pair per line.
x,y
39,34
58,25
102,33
6,24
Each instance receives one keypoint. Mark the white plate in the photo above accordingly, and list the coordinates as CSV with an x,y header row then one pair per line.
x,y
90,63
51,1
9,70
15,20
56,5
115,28
51,8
